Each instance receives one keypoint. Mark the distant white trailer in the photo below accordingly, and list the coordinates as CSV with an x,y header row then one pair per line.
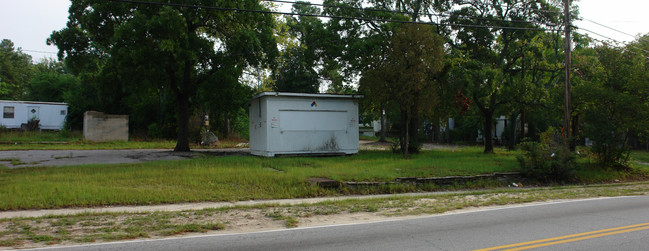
x,y
303,124
16,113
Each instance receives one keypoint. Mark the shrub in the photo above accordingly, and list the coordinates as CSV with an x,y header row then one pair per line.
x,y
33,124
548,160
413,147
154,131
609,142
65,133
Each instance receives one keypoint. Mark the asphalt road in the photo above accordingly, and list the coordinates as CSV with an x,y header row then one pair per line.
x,y
599,224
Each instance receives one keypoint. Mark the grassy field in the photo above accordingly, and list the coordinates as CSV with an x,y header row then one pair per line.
x,y
641,156
236,178
226,178
64,140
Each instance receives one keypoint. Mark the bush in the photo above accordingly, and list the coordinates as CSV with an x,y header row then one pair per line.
x,y
548,160
65,133
413,147
612,155
609,142
33,124
154,131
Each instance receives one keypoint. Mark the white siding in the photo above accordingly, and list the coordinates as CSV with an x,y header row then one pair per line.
x,y
52,115
290,123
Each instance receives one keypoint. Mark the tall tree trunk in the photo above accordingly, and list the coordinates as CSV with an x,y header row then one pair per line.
x,y
182,108
575,133
511,143
405,139
226,125
488,131
182,144
413,132
531,132
488,114
182,96
523,134
448,132
382,124
437,131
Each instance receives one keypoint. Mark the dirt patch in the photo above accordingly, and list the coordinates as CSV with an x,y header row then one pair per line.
x,y
338,219
383,146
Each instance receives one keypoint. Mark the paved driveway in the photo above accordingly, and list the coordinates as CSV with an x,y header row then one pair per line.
x,y
31,158
81,157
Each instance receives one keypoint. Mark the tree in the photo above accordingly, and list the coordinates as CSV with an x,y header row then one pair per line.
x,y
224,106
50,82
295,69
414,55
535,71
491,54
613,90
164,45
15,71
295,73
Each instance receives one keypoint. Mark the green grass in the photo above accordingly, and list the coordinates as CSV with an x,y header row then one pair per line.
x,y
588,171
229,178
235,178
384,166
42,136
641,156
105,227
14,161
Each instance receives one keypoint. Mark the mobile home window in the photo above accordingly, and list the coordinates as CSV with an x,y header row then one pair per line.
x,y
8,112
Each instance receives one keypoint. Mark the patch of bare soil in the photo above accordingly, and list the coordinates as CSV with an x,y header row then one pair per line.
x,y
375,145
80,229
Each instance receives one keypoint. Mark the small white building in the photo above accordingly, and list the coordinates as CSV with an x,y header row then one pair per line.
x,y
16,113
296,123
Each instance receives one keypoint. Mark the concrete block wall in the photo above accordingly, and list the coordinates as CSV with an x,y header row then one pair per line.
x,y
101,127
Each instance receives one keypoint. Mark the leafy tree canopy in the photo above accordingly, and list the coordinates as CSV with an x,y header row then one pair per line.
x,y
15,71
414,55
142,46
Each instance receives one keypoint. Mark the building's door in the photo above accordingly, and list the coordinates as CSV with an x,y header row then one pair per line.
x,y
33,113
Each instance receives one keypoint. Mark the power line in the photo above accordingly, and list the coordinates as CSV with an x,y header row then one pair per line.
x,y
539,10
49,52
609,27
613,40
596,34
394,11
325,16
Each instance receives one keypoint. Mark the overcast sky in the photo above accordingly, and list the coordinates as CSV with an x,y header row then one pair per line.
x,y
28,23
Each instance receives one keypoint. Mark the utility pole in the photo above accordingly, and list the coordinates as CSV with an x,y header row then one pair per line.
x,y
566,115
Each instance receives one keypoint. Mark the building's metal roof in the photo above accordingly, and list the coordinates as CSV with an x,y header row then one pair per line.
x,y
33,102
306,95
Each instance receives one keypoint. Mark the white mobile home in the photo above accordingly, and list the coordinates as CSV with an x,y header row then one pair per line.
x,y
16,113
297,123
